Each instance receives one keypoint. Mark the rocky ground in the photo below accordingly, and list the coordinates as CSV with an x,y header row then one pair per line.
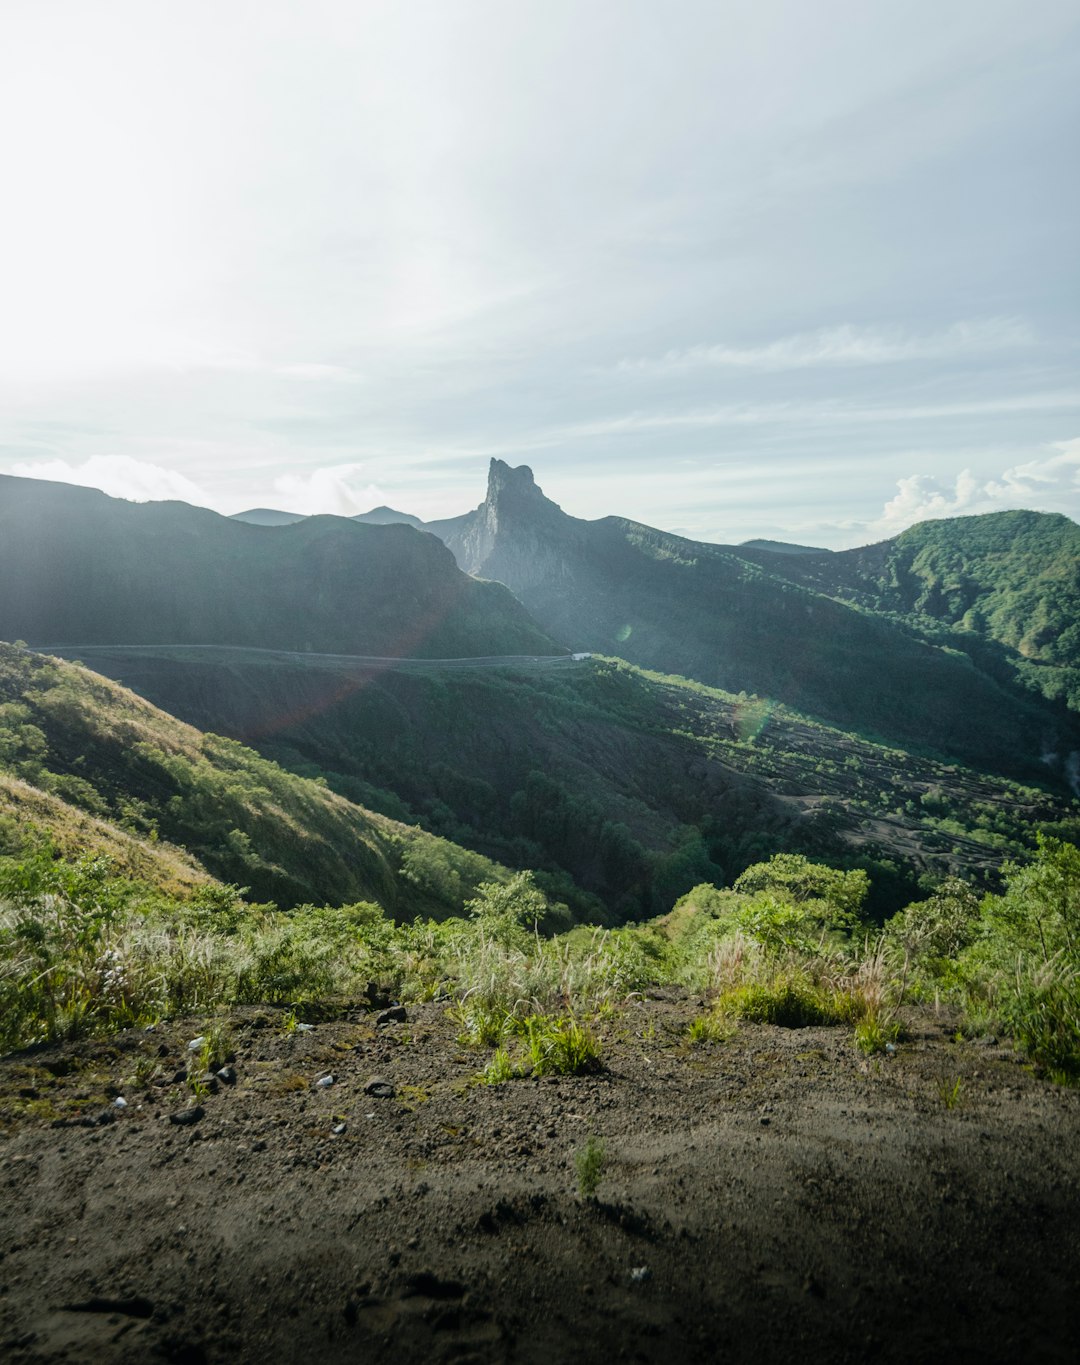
x,y
773,1197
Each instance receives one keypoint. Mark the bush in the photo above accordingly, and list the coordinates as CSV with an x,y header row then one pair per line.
x,y
560,1046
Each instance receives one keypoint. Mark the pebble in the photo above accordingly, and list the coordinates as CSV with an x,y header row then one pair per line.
x,y
380,1089
119,1102
227,1075
305,1028
395,1015
338,1129
325,1082
195,1044
639,1274
188,1116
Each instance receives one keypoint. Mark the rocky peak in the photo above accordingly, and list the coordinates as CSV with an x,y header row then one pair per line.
x,y
510,488
512,526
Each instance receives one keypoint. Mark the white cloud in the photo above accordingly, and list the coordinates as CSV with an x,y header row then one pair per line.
x,y
120,476
1049,484
334,489
845,345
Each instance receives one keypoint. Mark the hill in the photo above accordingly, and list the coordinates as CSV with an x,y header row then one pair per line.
x,y
1004,586
267,516
752,620
101,771
79,567
386,516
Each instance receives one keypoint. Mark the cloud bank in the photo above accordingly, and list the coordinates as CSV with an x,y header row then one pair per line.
x,y
1050,483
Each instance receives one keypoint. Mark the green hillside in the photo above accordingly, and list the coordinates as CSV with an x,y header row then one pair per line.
x,y
1006,579
634,785
78,567
100,771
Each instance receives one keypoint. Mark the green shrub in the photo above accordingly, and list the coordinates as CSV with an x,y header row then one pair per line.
x,y
788,1001
560,1046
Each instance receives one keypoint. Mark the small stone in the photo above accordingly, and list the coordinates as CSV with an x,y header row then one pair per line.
x,y
188,1116
338,1129
259,1145
395,1015
325,1082
639,1274
195,1044
379,1089
209,1083
305,1028
120,1102
227,1075
764,1120
179,1077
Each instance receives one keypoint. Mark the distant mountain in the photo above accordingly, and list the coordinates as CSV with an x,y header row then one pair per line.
x,y
77,567
386,516
751,620
781,547
267,516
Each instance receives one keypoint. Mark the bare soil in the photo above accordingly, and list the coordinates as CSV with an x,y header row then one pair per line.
x,y
774,1197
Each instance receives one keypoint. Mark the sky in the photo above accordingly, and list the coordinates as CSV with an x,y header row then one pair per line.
x,y
735,268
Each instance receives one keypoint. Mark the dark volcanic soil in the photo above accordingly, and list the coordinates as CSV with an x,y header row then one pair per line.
x,y
774,1197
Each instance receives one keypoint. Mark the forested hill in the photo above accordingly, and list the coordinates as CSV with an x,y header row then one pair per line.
x,y
758,621
1011,578
82,568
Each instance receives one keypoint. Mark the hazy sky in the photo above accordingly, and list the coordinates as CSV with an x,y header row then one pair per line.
x,y
796,268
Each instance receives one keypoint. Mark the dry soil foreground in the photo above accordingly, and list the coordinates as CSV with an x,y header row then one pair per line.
x,y
773,1197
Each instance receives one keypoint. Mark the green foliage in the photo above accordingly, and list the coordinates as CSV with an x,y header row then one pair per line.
x,y
789,1000
1040,1008
590,1163
1012,961
931,933
841,894
560,1046
510,912
500,1069
874,1034
713,1027
480,1023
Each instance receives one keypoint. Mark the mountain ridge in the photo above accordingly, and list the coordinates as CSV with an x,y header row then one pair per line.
x,y
78,566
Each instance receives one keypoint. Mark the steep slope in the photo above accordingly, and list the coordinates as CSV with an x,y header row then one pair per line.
x,y
79,567
638,787
102,771
739,619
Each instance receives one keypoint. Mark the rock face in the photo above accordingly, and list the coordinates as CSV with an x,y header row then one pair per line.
x,y
516,536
